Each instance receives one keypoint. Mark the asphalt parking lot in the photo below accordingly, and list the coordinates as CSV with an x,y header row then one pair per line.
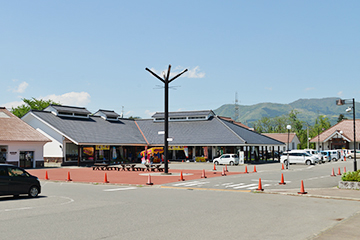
x,y
222,207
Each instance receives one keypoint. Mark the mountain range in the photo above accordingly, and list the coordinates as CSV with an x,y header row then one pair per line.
x,y
308,110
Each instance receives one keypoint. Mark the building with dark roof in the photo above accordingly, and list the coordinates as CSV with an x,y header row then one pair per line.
x,y
20,144
81,138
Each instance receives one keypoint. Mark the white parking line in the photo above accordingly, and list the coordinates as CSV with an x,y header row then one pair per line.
x,y
119,189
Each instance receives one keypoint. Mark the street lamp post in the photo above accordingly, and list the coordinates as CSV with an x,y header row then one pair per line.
x,y
166,81
288,161
341,102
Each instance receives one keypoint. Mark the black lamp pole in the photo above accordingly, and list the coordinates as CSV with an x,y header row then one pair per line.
x,y
166,81
342,102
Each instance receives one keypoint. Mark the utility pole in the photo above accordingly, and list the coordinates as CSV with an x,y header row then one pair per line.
x,y
166,81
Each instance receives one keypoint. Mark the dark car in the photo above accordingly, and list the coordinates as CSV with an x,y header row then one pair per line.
x,y
16,181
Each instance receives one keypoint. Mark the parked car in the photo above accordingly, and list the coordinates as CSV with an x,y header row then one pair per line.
x,y
15,181
316,153
298,156
231,159
351,155
324,156
333,155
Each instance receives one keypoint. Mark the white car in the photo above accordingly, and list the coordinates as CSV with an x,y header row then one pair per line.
x,y
317,154
231,159
298,157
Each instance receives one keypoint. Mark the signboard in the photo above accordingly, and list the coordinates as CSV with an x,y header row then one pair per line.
x,y
176,148
241,157
102,147
200,159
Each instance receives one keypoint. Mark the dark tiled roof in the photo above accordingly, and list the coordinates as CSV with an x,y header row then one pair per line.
x,y
183,114
108,113
211,132
70,109
94,129
251,137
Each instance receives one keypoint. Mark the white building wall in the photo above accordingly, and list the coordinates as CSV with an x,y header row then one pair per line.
x,y
53,148
14,148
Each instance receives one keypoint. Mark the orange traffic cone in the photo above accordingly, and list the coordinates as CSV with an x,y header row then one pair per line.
x,y
260,187
254,168
302,190
223,172
344,169
105,178
246,171
46,176
181,177
149,181
333,173
282,167
282,180
214,169
226,170
203,174
68,177
339,173
345,158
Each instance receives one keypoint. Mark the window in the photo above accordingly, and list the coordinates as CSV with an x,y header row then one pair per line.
x,y
87,153
3,172
3,151
72,152
14,172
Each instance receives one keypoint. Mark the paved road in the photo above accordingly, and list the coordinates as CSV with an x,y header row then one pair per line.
x,y
87,211
313,176
68,210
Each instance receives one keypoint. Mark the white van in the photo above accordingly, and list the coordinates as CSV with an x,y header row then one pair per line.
x,y
299,156
316,153
333,155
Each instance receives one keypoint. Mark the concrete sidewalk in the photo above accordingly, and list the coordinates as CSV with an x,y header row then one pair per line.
x,y
345,228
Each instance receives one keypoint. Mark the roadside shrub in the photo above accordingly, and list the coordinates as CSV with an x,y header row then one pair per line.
x,y
351,176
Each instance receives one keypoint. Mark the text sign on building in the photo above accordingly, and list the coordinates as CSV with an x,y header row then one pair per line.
x,y
102,147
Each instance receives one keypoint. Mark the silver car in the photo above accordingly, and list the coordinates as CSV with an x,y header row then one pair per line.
x,y
231,159
299,157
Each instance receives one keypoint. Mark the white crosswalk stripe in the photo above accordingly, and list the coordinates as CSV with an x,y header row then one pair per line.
x,y
229,185
190,184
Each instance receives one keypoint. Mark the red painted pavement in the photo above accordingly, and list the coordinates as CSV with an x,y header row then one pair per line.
x,y
120,177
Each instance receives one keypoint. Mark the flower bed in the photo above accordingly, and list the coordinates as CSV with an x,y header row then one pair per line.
x,y
350,180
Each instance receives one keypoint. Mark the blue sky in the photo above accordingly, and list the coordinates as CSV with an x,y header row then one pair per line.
x,y
93,54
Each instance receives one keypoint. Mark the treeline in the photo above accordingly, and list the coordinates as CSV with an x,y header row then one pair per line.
x,y
302,129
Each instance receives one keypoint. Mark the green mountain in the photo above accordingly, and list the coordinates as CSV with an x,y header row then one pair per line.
x,y
308,110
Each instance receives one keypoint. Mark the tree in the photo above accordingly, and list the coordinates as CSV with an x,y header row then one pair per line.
x,y
31,104
341,117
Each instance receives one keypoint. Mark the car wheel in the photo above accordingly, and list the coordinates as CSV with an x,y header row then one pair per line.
x,y
308,162
33,191
334,159
285,162
216,163
232,163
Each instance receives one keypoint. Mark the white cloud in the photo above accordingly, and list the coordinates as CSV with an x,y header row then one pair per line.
x,y
268,88
309,89
13,104
195,73
149,113
340,94
21,87
71,98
